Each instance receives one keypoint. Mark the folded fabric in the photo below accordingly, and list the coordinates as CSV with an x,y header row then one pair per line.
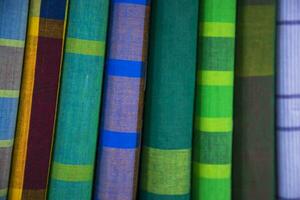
x,y
169,101
288,99
74,152
12,42
36,115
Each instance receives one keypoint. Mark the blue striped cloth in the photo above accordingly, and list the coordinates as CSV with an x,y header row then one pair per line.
x,y
121,123
288,99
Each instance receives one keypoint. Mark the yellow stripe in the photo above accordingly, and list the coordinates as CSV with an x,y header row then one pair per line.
x,y
214,124
6,143
35,7
88,47
219,78
3,192
9,93
15,194
12,43
217,29
174,165
72,172
211,171
34,26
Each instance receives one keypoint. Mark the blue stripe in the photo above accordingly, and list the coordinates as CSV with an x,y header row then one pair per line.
x,y
125,68
8,115
119,139
288,129
288,96
289,22
53,9
142,2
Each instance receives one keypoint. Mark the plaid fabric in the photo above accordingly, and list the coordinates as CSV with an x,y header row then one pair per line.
x,y
123,101
31,155
288,99
213,113
78,112
253,158
169,103
12,41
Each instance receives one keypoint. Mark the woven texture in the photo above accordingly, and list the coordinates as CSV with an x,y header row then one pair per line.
x,y
123,101
288,99
169,103
12,42
35,126
253,158
73,161
213,113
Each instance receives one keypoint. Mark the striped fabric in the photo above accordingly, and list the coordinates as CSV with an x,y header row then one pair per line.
x,y
169,103
38,100
78,112
123,101
12,41
213,113
288,99
253,158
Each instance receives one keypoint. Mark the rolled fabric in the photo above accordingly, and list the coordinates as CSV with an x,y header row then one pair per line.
x,y
212,142
288,99
36,115
72,168
254,143
13,21
121,122
169,103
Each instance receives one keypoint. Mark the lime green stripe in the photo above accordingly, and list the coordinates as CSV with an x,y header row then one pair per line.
x,y
87,47
6,143
9,93
3,192
217,29
72,173
163,168
219,78
12,43
212,171
206,124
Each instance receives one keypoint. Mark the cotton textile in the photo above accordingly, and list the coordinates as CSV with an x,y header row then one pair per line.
x,y
73,161
169,103
253,158
288,99
12,42
32,148
213,113
121,125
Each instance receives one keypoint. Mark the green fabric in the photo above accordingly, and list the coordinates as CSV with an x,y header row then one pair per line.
x,y
212,142
254,136
169,103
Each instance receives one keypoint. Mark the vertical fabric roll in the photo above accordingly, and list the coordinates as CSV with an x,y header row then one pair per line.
x,y
121,123
253,158
212,142
169,103
13,20
72,168
288,99
35,126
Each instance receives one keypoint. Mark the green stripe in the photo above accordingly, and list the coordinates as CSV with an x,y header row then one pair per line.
x,y
203,189
212,148
211,125
143,195
217,29
9,93
166,172
218,78
6,143
12,43
72,173
214,101
211,171
86,47
223,12
219,51
3,192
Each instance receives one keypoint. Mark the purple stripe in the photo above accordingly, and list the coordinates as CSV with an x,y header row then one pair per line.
x,y
288,96
288,129
288,22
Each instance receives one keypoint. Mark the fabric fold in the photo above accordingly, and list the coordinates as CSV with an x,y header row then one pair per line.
x,y
123,99
37,109
74,152
169,103
212,141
